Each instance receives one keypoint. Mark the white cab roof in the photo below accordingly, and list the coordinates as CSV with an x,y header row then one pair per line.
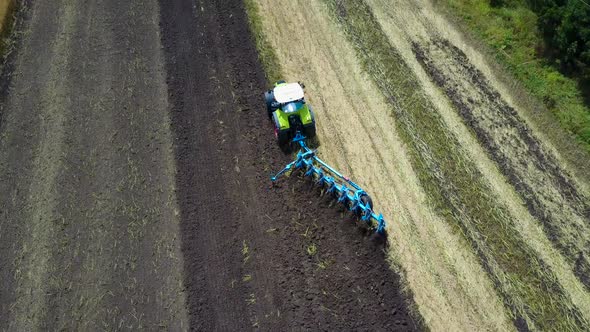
x,y
288,92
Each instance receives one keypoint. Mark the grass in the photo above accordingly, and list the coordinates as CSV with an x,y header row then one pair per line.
x,y
511,32
323,264
251,299
266,53
245,251
7,10
455,186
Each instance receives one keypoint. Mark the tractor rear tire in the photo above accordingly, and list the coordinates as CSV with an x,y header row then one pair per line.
x,y
309,131
281,135
283,139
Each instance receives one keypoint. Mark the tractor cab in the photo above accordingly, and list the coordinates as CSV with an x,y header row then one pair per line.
x,y
289,112
288,92
289,97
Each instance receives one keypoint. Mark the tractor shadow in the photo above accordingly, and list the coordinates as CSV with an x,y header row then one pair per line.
x,y
311,143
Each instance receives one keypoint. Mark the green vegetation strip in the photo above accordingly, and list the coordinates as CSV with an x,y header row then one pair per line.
x,y
511,31
8,9
454,185
266,53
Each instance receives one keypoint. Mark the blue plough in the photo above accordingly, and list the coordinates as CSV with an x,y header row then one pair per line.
x,y
348,193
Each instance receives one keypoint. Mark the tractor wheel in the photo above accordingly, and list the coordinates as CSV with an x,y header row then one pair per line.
x,y
268,99
310,130
281,135
283,139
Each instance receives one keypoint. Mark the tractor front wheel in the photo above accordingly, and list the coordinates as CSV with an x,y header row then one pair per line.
x,y
269,98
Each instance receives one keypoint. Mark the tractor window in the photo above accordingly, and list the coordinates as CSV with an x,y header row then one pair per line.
x,y
292,106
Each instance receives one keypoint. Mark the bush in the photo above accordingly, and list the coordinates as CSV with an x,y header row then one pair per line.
x,y
565,25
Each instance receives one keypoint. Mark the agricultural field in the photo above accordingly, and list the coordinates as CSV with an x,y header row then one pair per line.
x,y
136,155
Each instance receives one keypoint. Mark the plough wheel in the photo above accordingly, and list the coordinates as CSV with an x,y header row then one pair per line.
x,y
367,201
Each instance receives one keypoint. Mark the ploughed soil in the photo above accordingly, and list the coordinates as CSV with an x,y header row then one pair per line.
x,y
135,157
88,215
255,255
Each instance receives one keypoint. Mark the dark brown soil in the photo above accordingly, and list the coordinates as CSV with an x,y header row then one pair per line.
x,y
90,186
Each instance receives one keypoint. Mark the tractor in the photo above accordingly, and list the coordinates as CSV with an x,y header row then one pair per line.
x,y
289,112
294,123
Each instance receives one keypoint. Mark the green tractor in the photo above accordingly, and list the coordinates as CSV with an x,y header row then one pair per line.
x,y
289,112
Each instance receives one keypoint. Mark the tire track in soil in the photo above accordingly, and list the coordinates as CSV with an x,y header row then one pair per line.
x,y
12,184
549,193
225,152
